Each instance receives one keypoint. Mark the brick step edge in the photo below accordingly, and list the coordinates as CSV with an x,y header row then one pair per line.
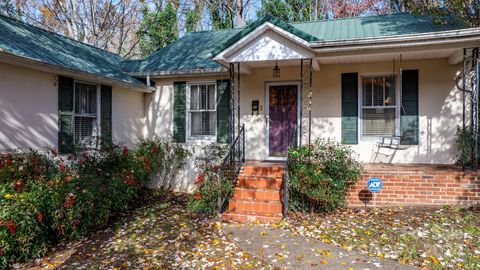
x,y
259,183
261,175
257,193
244,217
255,206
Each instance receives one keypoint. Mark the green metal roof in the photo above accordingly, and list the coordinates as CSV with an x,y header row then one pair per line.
x,y
191,52
377,26
188,53
24,40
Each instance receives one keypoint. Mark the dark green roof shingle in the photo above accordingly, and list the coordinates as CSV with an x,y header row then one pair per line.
x,y
37,44
190,52
377,26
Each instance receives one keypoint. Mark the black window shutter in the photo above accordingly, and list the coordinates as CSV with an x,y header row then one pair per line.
x,y
106,113
65,115
409,109
223,111
349,108
179,111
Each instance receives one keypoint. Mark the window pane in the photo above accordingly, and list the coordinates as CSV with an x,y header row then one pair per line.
x,y
85,98
194,97
211,97
378,122
377,91
202,123
203,97
389,91
85,129
367,91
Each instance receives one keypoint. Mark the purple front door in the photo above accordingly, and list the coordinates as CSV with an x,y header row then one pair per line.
x,y
282,118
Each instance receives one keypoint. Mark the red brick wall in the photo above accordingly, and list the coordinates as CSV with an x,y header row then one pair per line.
x,y
416,185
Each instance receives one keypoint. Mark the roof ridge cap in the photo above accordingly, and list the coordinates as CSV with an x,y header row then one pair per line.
x,y
58,34
215,30
354,17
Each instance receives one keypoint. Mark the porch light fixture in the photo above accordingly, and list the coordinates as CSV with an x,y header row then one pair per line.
x,y
276,71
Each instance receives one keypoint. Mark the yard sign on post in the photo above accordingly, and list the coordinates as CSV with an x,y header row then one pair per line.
x,y
374,185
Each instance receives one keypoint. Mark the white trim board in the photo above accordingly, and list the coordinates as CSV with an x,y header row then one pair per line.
x,y
259,31
270,46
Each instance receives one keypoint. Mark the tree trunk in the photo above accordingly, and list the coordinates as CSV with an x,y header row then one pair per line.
x,y
239,13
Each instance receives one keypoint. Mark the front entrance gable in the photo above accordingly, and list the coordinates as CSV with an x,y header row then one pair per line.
x,y
269,46
266,39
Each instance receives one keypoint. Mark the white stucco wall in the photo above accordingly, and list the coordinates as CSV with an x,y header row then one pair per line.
x,y
159,122
28,108
128,116
440,110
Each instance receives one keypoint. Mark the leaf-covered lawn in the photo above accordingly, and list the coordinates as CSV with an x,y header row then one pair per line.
x,y
433,238
160,235
163,234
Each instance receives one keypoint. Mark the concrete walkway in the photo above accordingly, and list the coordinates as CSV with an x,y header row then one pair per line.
x,y
287,251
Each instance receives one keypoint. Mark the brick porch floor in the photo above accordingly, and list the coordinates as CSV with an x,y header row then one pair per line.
x,y
419,184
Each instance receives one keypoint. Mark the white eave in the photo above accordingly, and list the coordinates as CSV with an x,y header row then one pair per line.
x,y
182,73
223,57
470,36
18,60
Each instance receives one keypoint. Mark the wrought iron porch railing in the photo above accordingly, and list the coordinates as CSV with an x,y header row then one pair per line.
x,y
293,144
231,165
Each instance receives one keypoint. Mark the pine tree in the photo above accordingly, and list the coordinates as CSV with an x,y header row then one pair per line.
x,y
158,28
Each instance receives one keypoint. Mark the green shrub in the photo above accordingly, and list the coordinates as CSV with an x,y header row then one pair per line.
x,y
320,174
467,135
46,197
210,187
169,158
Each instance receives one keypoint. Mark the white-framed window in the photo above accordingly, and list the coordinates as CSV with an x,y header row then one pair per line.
x,y
378,107
202,111
85,114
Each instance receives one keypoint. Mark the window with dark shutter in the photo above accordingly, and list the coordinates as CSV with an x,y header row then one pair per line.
x,y
223,111
65,115
106,113
409,110
201,111
85,108
378,107
179,111
349,108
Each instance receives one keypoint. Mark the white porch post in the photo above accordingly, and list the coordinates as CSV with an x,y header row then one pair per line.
x,y
306,109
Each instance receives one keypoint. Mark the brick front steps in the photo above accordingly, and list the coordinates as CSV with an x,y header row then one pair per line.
x,y
258,195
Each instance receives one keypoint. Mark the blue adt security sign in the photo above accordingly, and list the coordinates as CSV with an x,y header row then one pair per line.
x,y
374,184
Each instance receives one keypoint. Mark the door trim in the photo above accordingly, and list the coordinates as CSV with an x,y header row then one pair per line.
x,y
267,113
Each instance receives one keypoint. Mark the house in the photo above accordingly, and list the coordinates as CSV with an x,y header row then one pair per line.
x,y
391,86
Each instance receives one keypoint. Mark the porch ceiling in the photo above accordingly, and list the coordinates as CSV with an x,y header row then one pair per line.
x,y
453,56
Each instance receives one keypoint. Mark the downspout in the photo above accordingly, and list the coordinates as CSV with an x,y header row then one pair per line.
x,y
146,110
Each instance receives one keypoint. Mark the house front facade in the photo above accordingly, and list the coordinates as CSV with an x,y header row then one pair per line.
x,y
390,86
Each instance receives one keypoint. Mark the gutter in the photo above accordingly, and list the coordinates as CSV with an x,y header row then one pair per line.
x,y
185,72
433,38
60,70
